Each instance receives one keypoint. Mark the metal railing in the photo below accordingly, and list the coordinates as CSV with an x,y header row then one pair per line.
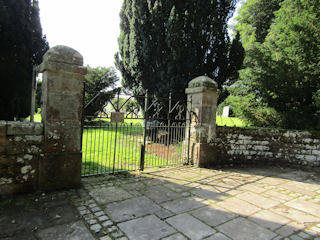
x,y
152,137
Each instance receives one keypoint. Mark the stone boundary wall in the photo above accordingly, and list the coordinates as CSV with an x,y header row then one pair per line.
x,y
267,146
21,146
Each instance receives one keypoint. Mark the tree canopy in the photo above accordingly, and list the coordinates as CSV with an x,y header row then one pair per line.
x,y
282,64
100,86
165,44
22,46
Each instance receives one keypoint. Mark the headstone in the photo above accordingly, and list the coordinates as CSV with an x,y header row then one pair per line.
x,y
226,111
117,117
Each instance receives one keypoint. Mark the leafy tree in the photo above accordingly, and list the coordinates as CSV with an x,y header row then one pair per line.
x,y
282,65
22,46
290,65
245,104
254,21
255,18
164,44
100,86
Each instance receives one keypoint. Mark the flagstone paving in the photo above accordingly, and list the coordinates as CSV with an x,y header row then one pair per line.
x,y
172,204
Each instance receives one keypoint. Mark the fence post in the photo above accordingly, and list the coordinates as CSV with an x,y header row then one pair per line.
x,y
204,94
62,110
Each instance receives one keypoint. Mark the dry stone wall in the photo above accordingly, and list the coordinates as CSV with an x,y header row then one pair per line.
x,y
21,146
266,146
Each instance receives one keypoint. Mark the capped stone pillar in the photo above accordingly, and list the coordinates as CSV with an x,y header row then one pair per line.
x,y
203,93
62,109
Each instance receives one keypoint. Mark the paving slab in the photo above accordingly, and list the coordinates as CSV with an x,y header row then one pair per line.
x,y
134,186
277,195
302,188
190,226
189,176
164,213
160,194
286,205
146,228
239,206
20,236
305,206
210,194
258,200
213,215
106,195
243,229
14,221
296,215
269,220
131,208
218,236
286,231
153,181
291,228
179,188
70,231
273,181
62,214
176,236
183,205
252,188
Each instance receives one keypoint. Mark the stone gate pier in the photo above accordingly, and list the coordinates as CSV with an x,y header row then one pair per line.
x,y
203,93
47,156
62,108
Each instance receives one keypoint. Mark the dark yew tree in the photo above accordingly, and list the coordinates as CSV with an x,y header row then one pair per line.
x,y
21,46
165,44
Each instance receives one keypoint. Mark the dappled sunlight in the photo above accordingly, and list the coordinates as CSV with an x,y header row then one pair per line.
x,y
183,202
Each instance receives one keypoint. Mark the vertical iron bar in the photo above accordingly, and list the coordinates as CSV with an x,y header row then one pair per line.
x,y
116,135
123,144
106,152
82,130
131,142
94,149
189,130
110,146
143,147
119,159
91,147
98,160
175,135
120,145
115,148
168,136
102,150
136,160
84,161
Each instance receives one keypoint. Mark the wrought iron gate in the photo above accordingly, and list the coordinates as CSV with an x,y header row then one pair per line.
x,y
125,137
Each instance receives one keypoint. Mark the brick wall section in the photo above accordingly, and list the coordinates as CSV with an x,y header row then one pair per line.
x,y
266,146
21,146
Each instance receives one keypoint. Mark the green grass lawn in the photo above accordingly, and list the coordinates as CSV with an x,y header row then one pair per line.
x,y
111,148
230,122
37,117
221,121
107,150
